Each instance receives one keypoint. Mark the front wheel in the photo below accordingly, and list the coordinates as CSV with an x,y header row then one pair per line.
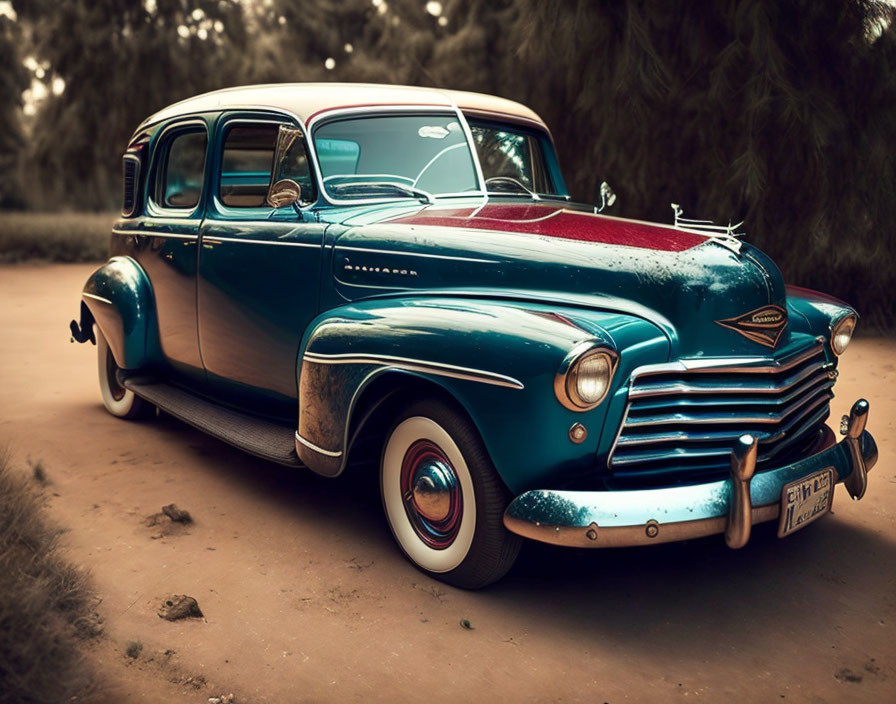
x,y
443,498
118,400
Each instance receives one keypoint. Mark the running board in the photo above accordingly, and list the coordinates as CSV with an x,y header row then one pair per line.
x,y
257,436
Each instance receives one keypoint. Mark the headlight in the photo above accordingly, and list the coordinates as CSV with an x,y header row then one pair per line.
x,y
841,333
584,377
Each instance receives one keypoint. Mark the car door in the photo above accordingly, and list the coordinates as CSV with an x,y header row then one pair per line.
x,y
259,270
165,240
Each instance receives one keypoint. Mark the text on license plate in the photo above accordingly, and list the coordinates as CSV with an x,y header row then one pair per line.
x,y
805,500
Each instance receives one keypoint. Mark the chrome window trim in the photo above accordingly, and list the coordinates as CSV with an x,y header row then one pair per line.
x,y
374,110
222,128
417,365
155,208
289,115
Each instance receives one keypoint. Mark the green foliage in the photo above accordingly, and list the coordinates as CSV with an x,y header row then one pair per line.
x,y
120,63
45,605
57,237
776,112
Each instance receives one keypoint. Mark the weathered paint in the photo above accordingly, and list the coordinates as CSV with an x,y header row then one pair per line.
x,y
230,302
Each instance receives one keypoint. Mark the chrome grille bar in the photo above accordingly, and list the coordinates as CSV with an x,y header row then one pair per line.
x,y
685,415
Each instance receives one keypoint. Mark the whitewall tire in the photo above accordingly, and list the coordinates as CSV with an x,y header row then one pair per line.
x,y
443,498
119,401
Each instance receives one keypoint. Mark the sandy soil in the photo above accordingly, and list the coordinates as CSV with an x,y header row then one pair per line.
x,y
307,599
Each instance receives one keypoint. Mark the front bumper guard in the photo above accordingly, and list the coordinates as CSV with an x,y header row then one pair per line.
x,y
593,519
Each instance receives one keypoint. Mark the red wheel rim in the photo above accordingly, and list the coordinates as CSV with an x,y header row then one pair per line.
x,y
432,496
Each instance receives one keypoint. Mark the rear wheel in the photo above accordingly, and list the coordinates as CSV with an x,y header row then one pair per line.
x,y
443,498
118,400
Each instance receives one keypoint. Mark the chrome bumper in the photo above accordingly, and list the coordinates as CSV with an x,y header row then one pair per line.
x,y
595,519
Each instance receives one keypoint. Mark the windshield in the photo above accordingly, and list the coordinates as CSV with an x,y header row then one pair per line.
x,y
516,160
394,157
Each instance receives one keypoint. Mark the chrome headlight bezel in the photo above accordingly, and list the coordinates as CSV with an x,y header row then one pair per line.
x,y
845,324
566,384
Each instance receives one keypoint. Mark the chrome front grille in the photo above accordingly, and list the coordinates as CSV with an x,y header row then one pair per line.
x,y
683,418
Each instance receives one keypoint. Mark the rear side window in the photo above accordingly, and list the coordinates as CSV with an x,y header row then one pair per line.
x,y
182,170
246,161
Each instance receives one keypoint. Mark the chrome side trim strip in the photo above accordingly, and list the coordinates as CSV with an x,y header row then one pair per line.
x,y
237,240
149,233
449,370
373,250
311,446
97,298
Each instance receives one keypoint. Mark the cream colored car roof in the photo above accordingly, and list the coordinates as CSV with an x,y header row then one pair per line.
x,y
307,100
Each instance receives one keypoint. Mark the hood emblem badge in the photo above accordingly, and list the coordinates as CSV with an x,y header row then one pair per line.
x,y
764,325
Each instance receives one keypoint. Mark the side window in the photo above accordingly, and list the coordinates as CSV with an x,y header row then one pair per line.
x,y
246,161
508,152
182,170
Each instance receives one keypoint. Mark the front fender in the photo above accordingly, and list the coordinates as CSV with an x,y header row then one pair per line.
x,y
119,296
497,359
814,312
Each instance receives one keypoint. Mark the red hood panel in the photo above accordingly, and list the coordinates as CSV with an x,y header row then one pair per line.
x,y
553,221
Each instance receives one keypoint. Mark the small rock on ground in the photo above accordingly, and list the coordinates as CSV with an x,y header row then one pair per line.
x,y
178,606
177,515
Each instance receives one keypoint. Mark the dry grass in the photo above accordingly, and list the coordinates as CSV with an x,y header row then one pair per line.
x,y
46,607
55,237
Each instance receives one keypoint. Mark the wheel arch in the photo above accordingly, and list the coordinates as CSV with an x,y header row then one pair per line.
x,y
378,402
496,360
120,300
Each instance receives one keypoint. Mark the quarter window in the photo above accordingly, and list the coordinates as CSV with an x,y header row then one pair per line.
x,y
183,170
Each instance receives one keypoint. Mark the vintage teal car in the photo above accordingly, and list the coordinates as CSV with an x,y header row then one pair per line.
x,y
335,276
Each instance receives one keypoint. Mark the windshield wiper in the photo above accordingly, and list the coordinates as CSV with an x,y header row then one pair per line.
x,y
375,186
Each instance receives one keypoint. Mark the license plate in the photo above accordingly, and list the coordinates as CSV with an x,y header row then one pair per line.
x,y
805,500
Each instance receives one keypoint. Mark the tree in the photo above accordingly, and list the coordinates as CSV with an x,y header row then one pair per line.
x,y
13,80
121,61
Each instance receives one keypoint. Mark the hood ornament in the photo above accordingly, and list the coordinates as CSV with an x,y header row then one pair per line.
x,y
727,236
764,325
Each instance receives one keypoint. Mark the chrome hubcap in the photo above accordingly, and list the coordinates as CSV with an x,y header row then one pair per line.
x,y
432,491
432,496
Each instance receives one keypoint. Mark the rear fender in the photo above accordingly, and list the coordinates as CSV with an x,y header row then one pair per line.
x,y
496,359
119,297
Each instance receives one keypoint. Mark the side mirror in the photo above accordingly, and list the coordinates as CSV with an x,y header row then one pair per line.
x,y
607,197
284,191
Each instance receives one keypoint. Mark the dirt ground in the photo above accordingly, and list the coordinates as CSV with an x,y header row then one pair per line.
x,y
306,598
